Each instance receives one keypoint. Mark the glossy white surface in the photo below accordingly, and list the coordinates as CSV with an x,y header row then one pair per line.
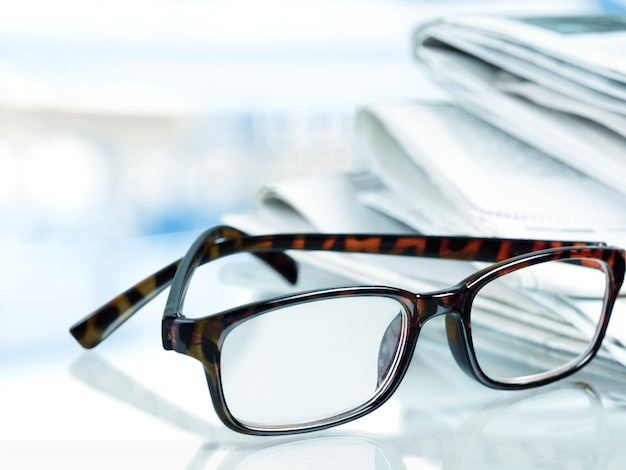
x,y
130,403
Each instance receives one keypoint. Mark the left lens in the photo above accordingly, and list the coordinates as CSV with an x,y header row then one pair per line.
x,y
311,362
539,320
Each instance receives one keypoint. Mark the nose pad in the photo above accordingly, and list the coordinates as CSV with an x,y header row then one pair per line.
x,y
457,340
387,348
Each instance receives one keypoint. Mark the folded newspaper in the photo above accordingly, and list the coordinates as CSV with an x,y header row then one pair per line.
x,y
558,83
446,171
530,150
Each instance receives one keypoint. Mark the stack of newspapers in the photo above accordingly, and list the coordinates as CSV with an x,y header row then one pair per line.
x,y
531,144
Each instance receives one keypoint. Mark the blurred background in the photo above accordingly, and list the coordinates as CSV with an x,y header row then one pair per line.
x,y
140,117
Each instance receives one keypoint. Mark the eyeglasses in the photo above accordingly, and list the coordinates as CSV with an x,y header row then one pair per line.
x,y
317,359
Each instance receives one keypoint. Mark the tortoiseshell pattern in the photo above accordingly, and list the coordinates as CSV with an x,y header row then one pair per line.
x,y
94,328
223,241
202,338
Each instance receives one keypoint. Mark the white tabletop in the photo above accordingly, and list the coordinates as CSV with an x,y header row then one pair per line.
x,y
129,402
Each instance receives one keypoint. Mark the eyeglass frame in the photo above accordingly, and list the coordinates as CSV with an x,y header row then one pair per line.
x,y
201,338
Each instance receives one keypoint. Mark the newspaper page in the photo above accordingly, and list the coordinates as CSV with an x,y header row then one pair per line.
x,y
557,83
449,172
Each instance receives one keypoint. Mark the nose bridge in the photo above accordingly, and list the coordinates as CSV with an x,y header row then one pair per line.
x,y
438,303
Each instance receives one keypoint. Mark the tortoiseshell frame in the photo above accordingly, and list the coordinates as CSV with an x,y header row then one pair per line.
x,y
202,338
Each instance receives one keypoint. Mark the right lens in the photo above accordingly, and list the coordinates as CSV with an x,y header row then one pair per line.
x,y
309,362
539,319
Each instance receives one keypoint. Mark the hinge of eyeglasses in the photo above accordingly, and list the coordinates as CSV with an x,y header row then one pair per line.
x,y
166,330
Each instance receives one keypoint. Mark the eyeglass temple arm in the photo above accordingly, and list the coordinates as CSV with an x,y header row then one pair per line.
x,y
223,241
98,325
489,250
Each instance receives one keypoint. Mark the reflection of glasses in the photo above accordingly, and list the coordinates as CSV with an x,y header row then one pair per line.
x,y
317,359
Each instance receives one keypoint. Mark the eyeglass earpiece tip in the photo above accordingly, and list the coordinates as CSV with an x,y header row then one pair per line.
x,y
80,333
283,264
